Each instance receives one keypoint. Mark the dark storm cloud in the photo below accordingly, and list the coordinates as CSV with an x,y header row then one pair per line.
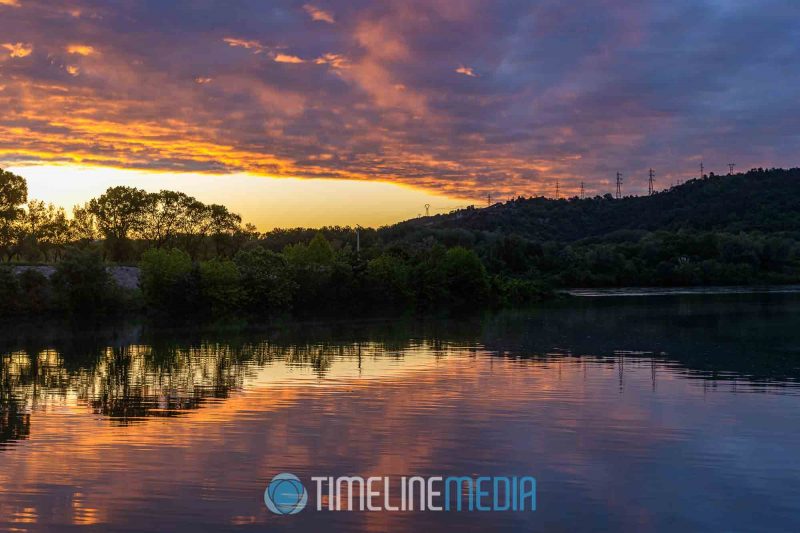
x,y
465,97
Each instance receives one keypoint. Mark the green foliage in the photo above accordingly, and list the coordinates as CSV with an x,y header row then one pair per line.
x,y
13,193
266,283
466,282
82,284
168,281
9,291
36,291
388,282
512,292
219,285
718,230
120,214
317,254
311,267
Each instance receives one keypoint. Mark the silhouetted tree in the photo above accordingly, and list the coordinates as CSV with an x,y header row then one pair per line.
x,y
120,214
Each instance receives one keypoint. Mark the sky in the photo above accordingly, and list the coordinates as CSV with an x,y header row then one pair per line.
x,y
355,111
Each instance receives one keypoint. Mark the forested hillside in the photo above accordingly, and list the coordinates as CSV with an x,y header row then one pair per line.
x,y
738,229
759,200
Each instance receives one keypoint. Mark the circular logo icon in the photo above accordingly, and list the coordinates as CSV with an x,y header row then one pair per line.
x,y
285,494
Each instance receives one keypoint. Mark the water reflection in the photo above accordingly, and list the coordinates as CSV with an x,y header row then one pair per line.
x,y
629,414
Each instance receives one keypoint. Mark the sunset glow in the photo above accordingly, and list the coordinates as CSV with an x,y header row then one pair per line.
x,y
458,99
267,202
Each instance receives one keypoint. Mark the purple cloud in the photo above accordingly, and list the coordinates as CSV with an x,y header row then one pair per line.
x,y
463,97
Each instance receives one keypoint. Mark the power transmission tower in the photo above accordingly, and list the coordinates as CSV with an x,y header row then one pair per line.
x,y
619,185
427,209
582,191
702,173
558,195
730,166
488,199
650,182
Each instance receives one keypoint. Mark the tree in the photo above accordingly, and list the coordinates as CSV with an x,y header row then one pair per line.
x,y
44,229
120,214
223,225
212,222
83,226
167,215
57,234
13,194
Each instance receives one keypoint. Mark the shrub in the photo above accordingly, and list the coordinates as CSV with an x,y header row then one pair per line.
x,y
266,284
388,282
465,281
219,284
513,292
82,284
9,291
167,280
36,291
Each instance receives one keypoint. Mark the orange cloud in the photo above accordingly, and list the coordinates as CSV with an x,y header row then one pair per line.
x,y
334,60
287,58
203,81
467,71
319,14
80,49
243,43
12,3
18,49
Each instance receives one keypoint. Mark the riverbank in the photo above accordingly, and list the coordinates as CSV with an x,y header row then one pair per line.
x,y
678,291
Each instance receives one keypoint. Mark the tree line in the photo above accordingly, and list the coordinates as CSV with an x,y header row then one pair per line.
x,y
201,259
121,223
198,259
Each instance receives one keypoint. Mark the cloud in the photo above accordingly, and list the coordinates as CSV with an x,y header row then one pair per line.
x,y
318,14
12,3
575,95
334,60
73,70
287,58
466,71
256,46
18,49
80,49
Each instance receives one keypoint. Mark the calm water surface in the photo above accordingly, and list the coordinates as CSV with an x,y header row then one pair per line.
x,y
659,413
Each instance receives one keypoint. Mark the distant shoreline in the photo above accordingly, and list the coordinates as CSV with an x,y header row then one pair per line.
x,y
675,291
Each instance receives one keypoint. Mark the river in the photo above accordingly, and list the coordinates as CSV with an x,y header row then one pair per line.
x,y
657,413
